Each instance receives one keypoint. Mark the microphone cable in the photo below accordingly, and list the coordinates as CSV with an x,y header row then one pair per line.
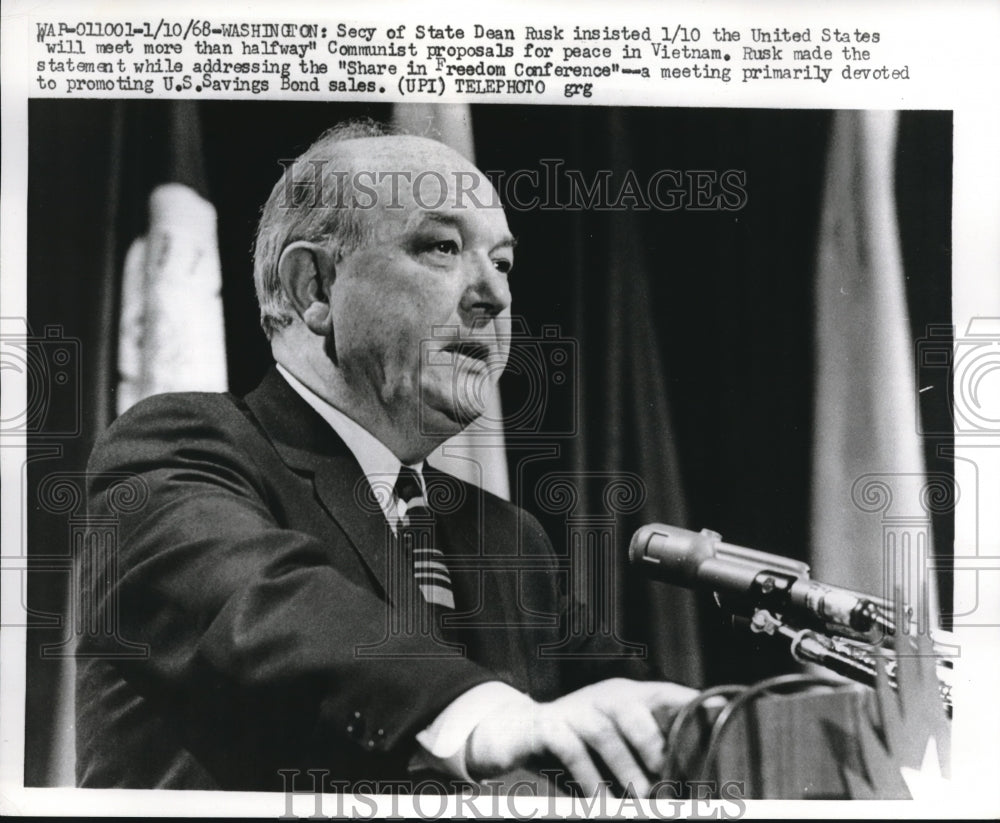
x,y
683,717
784,682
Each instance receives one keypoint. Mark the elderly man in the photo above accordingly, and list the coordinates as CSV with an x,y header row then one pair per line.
x,y
297,616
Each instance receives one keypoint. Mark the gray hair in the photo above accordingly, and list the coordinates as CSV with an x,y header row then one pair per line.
x,y
309,202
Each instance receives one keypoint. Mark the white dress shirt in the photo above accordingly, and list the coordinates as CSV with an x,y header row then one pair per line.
x,y
444,741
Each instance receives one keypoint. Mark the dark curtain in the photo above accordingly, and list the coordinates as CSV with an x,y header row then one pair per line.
x,y
694,332
691,330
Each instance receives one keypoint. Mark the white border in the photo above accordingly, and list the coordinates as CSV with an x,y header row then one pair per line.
x,y
952,50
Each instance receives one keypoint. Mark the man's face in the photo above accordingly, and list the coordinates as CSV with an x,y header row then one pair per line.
x,y
422,313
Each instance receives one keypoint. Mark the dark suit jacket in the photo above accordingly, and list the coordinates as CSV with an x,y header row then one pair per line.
x,y
255,570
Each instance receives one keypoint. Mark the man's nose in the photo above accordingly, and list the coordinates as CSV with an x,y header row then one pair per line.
x,y
488,292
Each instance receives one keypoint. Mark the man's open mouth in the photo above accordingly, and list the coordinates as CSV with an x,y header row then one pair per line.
x,y
469,348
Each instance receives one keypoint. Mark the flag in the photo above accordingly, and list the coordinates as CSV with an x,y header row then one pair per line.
x,y
171,329
870,528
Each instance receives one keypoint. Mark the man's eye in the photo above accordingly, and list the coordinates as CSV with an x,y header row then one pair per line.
x,y
445,247
503,265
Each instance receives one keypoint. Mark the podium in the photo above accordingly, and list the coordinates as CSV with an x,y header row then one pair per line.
x,y
826,742
783,746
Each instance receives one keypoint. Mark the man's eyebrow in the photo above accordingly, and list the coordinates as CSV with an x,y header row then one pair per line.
x,y
448,219
439,217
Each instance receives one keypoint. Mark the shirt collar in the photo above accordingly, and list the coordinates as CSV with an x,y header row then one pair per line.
x,y
379,464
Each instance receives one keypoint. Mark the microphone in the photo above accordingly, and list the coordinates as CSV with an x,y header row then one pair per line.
x,y
747,578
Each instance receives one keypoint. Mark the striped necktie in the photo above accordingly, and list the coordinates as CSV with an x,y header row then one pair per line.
x,y
417,534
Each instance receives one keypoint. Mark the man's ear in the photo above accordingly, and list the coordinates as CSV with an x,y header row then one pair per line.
x,y
306,271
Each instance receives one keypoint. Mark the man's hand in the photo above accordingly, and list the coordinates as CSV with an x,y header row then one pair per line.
x,y
613,718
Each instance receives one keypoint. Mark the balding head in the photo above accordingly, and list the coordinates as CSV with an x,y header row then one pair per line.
x,y
336,192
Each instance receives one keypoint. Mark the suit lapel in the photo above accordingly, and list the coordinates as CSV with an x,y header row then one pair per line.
x,y
306,443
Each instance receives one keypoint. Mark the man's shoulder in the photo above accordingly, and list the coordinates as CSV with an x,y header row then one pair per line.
x,y
178,409
170,420
179,403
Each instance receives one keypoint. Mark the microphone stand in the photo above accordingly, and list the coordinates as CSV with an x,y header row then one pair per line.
x,y
840,656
